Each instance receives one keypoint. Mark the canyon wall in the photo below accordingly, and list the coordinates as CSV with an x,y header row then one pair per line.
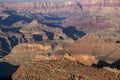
x,y
83,21
43,7
29,33
58,6
100,2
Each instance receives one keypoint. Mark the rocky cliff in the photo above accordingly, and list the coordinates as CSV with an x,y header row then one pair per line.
x,y
43,7
96,46
28,33
63,69
103,3
32,52
59,6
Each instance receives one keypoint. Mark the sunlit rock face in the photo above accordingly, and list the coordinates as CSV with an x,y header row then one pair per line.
x,y
62,69
100,2
98,17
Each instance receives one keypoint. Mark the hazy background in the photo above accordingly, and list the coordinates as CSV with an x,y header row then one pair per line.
x,y
38,0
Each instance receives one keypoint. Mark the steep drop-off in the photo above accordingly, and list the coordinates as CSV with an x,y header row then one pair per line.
x,y
22,32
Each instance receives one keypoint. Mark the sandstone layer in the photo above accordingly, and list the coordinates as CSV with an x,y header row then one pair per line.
x,y
96,46
64,69
59,6
28,33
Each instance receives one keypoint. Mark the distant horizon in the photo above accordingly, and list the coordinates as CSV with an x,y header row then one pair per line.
x,y
33,0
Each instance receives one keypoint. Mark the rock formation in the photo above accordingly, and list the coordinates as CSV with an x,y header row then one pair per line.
x,y
28,23
44,56
3,15
86,59
63,69
43,7
95,46
59,6
90,16
32,52
27,33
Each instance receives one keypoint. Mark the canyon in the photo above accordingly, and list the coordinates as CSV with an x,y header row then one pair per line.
x,y
61,69
78,38
58,6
